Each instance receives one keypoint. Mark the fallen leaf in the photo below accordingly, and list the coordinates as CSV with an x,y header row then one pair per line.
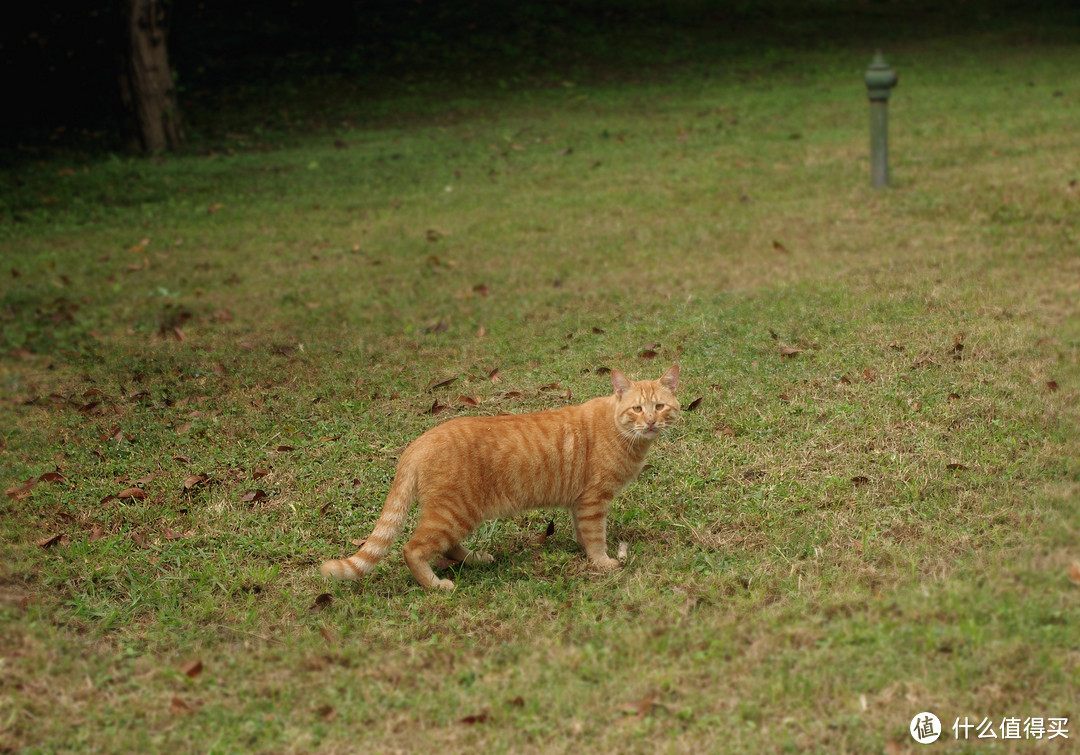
x,y
845,380
789,351
178,707
52,477
183,429
168,533
640,708
958,345
549,387
955,466
328,636
328,438
195,479
440,383
1052,385
254,495
481,332
139,538
954,396
18,492
896,346
869,375
467,401
779,247
131,493
479,718
773,335
96,533
191,669
143,480
513,394
322,600
517,702
436,408
603,370
481,289
860,479
648,354
694,404
214,208
259,473
284,449
493,376
1074,572
50,541
725,432
326,712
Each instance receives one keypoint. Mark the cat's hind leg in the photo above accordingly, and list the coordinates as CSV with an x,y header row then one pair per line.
x,y
442,527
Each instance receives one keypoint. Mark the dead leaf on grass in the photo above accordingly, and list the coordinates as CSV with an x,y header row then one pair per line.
x,y
479,718
780,247
326,712
139,539
640,708
436,408
437,383
956,466
18,492
191,669
322,600
96,533
1052,385
493,376
694,404
517,702
254,495
49,542
131,493
649,354
258,473
178,707
789,351
56,476
195,479
1074,572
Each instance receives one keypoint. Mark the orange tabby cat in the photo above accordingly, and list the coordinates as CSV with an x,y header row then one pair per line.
x,y
475,468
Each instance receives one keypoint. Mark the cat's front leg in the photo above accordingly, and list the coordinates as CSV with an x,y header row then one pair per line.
x,y
590,530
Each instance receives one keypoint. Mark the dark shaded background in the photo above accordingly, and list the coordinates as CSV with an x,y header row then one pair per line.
x,y
235,59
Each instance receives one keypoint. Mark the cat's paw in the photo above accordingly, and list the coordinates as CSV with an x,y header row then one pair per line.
x,y
606,564
476,557
443,584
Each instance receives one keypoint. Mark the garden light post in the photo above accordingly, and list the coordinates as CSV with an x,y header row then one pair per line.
x,y
880,79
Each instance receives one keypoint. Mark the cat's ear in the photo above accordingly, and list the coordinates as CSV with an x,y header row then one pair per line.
x,y
621,383
670,379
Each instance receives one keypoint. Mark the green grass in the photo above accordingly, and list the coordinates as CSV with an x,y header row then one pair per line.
x,y
830,543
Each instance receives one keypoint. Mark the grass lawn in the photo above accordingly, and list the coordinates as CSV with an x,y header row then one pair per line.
x,y
211,362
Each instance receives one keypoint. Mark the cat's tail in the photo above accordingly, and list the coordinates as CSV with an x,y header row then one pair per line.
x,y
398,500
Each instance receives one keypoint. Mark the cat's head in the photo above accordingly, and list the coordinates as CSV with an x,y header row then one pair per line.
x,y
645,407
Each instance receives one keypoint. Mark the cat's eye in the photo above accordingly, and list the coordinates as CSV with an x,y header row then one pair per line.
x,y
659,407
637,408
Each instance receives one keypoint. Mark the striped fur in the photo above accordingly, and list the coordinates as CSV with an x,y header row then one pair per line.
x,y
475,468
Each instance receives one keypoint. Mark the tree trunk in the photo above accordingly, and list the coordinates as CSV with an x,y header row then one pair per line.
x,y
147,91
